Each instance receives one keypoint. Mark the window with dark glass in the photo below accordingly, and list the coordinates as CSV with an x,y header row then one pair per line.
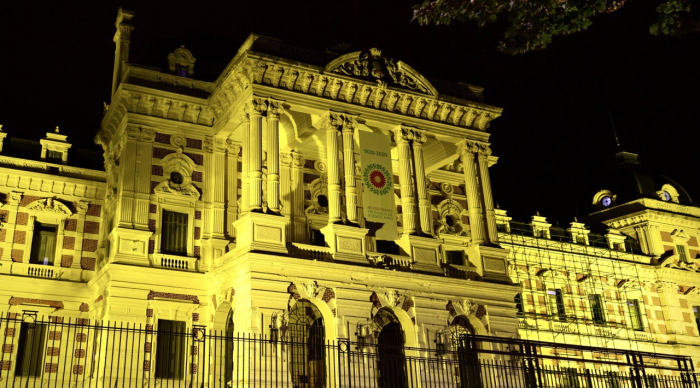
x,y
682,255
455,257
556,305
317,238
43,244
696,311
519,304
30,350
596,302
635,315
54,156
174,233
170,356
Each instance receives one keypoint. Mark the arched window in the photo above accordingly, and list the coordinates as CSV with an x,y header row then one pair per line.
x,y
307,335
467,371
228,355
391,360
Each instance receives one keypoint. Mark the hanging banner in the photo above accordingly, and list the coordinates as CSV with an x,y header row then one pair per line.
x,y
378,183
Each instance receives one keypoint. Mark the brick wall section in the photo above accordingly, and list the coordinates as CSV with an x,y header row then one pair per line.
x,y
8,348
88,263
17,255
89,245
22,218
5,365
20,236
194,143
68,242
66,261
162,138
51,368
92,227
157,170
94,210
71,225
666,236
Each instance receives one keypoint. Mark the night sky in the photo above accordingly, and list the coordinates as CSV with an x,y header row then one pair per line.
x,y
555,133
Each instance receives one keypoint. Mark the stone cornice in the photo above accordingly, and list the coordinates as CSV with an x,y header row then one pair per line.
x,y
655,216
67,172
158,76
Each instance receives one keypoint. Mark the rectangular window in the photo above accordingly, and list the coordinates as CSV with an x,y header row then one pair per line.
x,y
455,257
318,239
54,156
30,351
43,244
174,233
696,311
556,305
170,356
682,255
635,315
596,302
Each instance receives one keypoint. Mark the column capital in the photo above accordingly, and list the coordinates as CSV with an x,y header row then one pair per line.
x,y
332,120
256,106
404,133
297,159
274,108
349,122
484,150
214,144
468,147
232,148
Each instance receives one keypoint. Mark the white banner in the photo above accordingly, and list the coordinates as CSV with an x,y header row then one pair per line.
x,y
378,183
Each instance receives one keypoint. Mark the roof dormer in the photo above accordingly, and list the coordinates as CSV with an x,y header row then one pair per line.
x,y
54,147
181,62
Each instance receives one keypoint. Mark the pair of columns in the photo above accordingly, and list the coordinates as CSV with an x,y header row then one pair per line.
x,y
409,144
475,164
340,131
252,172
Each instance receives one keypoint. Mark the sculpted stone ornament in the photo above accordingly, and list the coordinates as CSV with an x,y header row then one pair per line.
x,y
49,205
371,65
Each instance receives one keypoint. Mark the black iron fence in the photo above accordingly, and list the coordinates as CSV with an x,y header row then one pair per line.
x,y
59,352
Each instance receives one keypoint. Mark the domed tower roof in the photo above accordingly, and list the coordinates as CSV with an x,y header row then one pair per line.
x,y
626,181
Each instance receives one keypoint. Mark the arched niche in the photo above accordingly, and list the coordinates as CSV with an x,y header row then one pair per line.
x,y
223,313
308,330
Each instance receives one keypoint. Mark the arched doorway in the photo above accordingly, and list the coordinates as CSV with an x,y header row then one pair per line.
x,y
228,348
465,348
307,336
391,359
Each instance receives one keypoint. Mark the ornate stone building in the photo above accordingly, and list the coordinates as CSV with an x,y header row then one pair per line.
x,y
248,204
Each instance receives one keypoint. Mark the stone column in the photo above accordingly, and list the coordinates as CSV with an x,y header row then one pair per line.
x,y
653,240
274,110
245,165
484,153
331,124
402,137
232,150
297,198
142,177
476,220
421,185
256,107
127,177
348,131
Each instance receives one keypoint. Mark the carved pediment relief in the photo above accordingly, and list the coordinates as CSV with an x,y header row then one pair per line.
x,y
178,169
370,65
170,188
49,205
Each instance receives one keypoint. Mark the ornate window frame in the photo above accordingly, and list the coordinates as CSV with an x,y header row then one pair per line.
x,y
598,197
46,211
670,190
176,197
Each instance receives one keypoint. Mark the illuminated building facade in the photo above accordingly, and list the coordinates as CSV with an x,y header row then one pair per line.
x,y
252,204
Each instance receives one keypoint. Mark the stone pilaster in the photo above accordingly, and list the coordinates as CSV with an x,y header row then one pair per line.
x,y
492,232
216,181
408,200
348,132
255,108
125,213
285,185
232,151
245,180
79,233
274,109
332,123
653,238
142,176
13,200
299,231
476,220
421,185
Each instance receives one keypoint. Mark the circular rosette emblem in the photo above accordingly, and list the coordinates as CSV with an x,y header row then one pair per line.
x,y
377,179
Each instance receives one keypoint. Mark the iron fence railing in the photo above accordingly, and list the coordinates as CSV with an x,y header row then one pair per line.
x,y
58,352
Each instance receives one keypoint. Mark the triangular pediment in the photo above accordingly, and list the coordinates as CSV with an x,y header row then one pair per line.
x,y
370,65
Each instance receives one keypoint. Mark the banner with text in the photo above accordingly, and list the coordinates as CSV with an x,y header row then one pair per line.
x,y
378,183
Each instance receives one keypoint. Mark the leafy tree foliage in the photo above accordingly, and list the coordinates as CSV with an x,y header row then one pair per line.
x,y
533,23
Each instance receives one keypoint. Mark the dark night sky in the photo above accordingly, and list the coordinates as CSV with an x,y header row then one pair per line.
x,y
56,65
